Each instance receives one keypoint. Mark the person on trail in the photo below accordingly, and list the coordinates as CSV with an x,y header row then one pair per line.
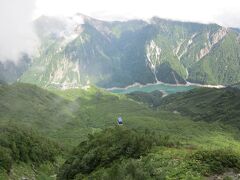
x,y
120,121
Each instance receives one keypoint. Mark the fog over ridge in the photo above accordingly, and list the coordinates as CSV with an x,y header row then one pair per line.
x,y
17,34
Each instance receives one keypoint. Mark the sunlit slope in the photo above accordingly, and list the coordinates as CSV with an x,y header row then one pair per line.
x,y
68,116
206,104
34,107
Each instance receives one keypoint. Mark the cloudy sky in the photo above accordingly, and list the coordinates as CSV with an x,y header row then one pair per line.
x,y
224,12
17,35
16,31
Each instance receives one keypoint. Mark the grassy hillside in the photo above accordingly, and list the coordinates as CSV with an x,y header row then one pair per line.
x,y
153,98
69,116
205,104
73,116
33,107
100,110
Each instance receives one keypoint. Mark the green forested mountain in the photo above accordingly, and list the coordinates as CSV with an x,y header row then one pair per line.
x,y
79,50
163,142
57,123
207,104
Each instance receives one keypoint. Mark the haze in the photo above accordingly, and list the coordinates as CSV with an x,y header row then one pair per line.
x,y
17,35
16,31
224,12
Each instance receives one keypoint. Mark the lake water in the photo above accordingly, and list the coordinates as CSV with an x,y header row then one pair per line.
x,y
166,88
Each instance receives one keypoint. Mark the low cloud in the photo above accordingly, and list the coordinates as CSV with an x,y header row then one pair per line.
x,y
229,19
16,30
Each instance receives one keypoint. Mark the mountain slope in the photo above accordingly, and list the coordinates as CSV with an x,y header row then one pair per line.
x,y
153,98
33,107
168,144
79,50
221,64
211,105
68,116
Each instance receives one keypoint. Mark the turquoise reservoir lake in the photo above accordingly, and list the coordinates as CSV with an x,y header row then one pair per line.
x,y
166,88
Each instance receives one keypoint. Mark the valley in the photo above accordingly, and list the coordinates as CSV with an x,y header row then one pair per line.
x,y
179,132
154,99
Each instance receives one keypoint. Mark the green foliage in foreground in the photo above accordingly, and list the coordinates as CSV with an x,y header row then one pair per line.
x,y
120,153
171,163
106,147
21,145
216,161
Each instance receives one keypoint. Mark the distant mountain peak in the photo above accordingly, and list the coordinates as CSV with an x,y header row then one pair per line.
x,y
80,49
77,18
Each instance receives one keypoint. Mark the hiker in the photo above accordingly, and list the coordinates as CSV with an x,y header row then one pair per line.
x,y
120,121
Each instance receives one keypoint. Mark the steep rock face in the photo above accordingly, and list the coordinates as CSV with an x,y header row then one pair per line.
x,y
153,53
220,65
80,50
214,39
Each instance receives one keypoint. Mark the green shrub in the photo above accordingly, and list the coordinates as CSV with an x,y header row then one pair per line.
x,y
22,145
126,169
5,159
215,161
104,148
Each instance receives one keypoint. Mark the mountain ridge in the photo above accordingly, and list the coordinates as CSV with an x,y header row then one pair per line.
x,y
80,50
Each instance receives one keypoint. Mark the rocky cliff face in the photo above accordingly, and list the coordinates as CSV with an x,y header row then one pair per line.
x,y
80,50
212,40
153,53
